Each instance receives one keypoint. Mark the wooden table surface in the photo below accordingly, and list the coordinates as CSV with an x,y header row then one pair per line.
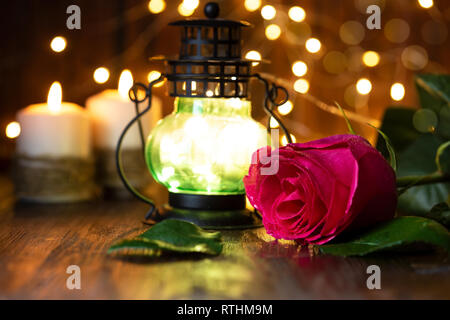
x,y
38,243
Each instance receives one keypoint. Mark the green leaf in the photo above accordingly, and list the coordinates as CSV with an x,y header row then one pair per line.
x,y
440,213
443,158
390,148
434,94
170,236
349,126
392,235
418,159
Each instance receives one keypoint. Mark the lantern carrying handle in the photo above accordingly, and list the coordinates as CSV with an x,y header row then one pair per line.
x,y
270,101
133,95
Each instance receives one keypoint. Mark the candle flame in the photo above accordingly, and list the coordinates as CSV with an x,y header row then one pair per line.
x,y
54,98
125,83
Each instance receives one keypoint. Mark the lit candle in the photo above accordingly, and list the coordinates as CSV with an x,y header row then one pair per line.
x,y
54,129
53,161
111,110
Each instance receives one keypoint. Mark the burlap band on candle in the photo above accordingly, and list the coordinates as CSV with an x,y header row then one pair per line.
x,y
133,163
50,180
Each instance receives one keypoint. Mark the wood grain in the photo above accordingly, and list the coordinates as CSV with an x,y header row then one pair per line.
x,y
38,243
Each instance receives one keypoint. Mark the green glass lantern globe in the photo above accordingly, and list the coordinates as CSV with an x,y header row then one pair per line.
x,y
205,146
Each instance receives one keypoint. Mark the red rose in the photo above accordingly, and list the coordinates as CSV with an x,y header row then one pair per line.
x,y
321,188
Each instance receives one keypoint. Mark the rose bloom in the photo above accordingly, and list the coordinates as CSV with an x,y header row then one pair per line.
x,y
321,188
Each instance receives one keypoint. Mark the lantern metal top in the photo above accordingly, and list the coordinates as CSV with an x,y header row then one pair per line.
x,y
210,62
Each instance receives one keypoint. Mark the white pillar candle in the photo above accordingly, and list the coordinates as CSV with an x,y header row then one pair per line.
x,y
54,129
112,110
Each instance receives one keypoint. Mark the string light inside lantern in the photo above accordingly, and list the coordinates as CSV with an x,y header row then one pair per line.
x,y
268,12
12,130
58,44
273,32
252,5
253,55
364,86
297,14
299,68
285,108
371,58
301,86
313,45
426,4
397,91
101,75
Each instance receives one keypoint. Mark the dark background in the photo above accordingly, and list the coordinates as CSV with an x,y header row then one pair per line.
x,y
122,34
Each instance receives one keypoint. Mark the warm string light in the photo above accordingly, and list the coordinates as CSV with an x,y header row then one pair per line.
x,y
426,4
284,140
101,75
313,45
273,32
12,130
299,68
253,55
363,86
252,5
301,86
371,58
185,8
285,108
156,6
153,75
397,91
190,5
297,14
268,12
58,44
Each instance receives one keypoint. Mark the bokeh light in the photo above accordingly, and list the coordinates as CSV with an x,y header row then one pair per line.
x,y
190,5
299,68
414,57
352,32
396,30
252,5
153,75
273,32
313,45
297,14
101,75
268,12
363,86
397,91
301,86
371,58
273,123
253,55
425,120
284,140
335,62
58,44
426,4
156,6
285,108
185,11
12,130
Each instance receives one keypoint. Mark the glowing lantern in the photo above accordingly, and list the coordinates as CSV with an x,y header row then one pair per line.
x,y
202,151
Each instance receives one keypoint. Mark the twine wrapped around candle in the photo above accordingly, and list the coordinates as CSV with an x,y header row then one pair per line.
x,y
51,180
